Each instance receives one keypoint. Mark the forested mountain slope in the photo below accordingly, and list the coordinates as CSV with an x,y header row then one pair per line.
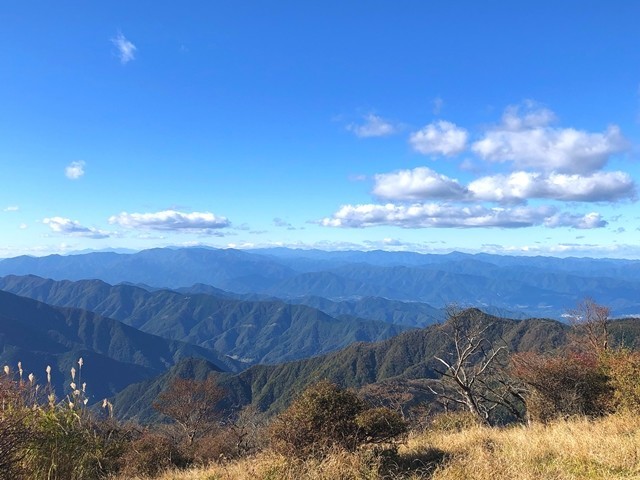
x,y
407,356
250,331
404,359
114,354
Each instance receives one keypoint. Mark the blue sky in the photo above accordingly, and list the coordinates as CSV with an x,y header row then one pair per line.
x,y
503,127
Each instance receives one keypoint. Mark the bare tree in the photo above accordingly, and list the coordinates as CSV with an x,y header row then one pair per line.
x,y
192,404
473,377
246,428
590,321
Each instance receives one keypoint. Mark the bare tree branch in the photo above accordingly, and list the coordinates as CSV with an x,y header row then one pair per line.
x,y
473,375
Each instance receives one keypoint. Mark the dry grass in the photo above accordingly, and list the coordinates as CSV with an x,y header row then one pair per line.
x,y
269,466
576,449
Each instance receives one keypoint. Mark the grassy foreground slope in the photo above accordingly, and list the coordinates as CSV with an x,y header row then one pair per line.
x,y
607,448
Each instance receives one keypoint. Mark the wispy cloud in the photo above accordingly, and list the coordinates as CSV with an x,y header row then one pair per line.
x,y
11,208
438,103
75,170
357,177
172,220
66,226
126,49
373,126
279,222
434,215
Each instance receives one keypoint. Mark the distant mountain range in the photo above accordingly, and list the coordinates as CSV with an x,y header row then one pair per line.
x,y
534,286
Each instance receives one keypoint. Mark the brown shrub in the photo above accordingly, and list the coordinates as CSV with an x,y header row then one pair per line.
x,y
150,454
623,369
214,448
380,425
562,386
325,418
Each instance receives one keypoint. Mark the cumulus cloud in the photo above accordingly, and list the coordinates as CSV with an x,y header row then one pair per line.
x,y
529,142
66,226
521,186
171,220
422,183
75,170
440,138
373,126
544,162
417,184
450,216
11,208
126,49
583,222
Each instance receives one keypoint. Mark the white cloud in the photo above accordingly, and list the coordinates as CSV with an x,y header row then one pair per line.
x,y
441,138
75,170
11,208
241,246
417,184
449,216
528,141
66,226
172,220
545,163
564,249
374,126
533,116
422,183
521,186
126,49
23,226
584,222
